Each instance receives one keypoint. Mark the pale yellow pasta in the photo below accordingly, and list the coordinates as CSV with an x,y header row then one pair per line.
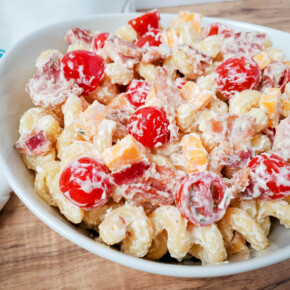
x,y
65,139
180,61
158,247
275,53
43,180
30,118
95,216
239,220
178,161
242,102
119,74
261,119
78,149
170,219
72,212
237,244
279,209
185,116
210,243
261,143
160,160
218,106
146,71
37,163
126,32
71,110
206,82
129,225
210,45
45,55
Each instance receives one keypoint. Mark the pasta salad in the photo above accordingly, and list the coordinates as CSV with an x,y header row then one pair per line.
x,y
163,140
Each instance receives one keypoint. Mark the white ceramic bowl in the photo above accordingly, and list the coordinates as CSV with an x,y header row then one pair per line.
x,y
17,66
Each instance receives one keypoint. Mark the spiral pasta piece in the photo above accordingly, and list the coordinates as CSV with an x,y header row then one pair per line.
x,y
279,209
169,218
208,244
129,225
239,220
158,247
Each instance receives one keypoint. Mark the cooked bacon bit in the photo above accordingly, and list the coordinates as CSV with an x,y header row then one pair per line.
x,y
282,139
275,75
199,60
34,143
270,132
232,130
78,35
248,43
48,88
123,52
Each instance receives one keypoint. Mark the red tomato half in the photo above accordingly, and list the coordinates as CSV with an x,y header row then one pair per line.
x,y
86,67
137,92
149,126
146,22
85,183
150,38
201,198
99,40
270,177
218,29
237,74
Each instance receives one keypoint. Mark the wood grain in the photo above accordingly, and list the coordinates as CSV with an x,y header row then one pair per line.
x,y
32,256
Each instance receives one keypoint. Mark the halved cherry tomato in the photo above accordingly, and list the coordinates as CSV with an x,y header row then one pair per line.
x,y
146,22
276,75
150,38
218,29
85,182
237,74
99,40
149,126
137,92
201,198
86,67
270,178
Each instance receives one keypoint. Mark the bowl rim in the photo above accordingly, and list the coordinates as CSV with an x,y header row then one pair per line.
x,y
105,251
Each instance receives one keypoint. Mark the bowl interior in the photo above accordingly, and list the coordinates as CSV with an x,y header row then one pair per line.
x,y
18,65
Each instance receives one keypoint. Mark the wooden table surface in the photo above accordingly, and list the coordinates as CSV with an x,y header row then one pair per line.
x,y
32,256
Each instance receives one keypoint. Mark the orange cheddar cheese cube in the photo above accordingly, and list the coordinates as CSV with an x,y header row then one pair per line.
x,y
287,62
191,93
195,155
89,120
270,104
119,102
152,100
285,103
193,18
171,37
124,153
262,59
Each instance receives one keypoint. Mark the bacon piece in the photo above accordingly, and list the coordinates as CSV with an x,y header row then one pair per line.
x,y
78,35
249,43
122,52
34,143
48,88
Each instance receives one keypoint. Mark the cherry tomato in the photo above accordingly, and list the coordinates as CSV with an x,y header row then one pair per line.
x,y
86,67
99,40
201,198
276,75
131,174
237,74
149,126
218,29
137,92
150,38
270,178
146,22
85,183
